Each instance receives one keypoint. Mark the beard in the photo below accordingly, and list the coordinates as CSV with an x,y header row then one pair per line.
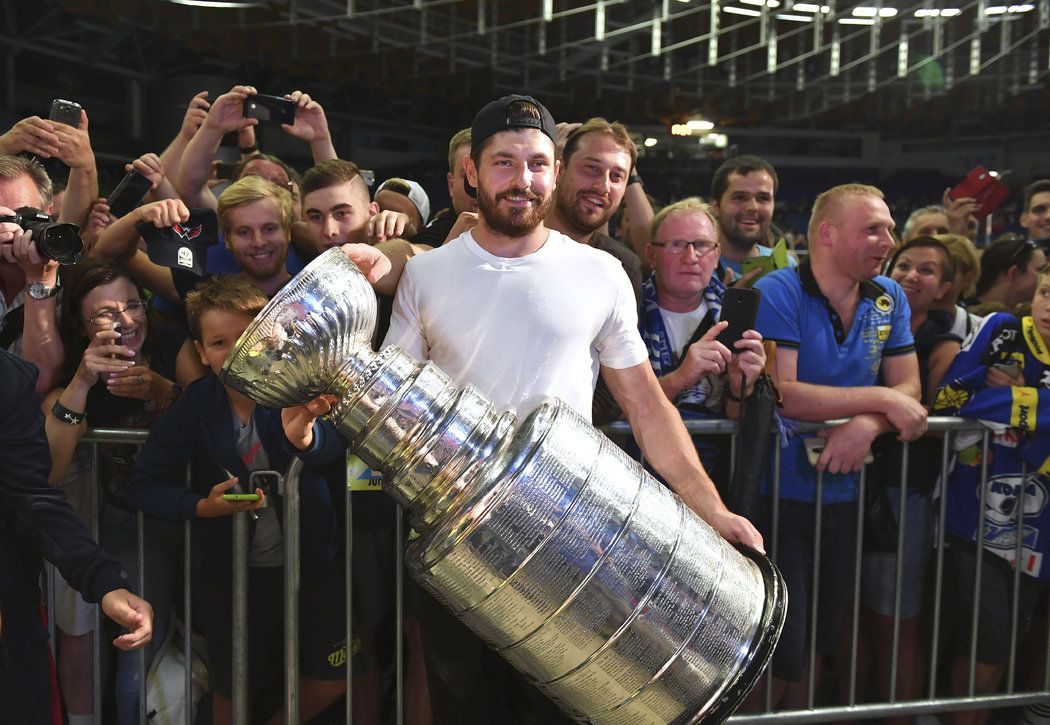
x,y
572,211
514,222
741,240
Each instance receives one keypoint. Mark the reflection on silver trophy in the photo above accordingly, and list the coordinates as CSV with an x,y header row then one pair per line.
x,y
561,552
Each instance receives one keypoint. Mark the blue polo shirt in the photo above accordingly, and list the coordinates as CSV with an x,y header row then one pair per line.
x,y
796,314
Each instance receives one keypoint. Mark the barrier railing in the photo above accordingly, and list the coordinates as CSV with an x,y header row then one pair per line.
x,y
849,707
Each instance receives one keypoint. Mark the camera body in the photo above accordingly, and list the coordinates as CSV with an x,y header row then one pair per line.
x,y
60,242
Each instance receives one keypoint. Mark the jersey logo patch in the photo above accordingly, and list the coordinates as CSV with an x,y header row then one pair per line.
x,y
884,303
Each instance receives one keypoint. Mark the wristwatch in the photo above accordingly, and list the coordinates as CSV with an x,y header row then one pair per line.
x,y
40,291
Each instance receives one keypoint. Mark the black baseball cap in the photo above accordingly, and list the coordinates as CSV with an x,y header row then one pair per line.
x,y
496,116
185,245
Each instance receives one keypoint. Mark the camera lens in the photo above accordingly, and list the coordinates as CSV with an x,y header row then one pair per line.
x,y
60,242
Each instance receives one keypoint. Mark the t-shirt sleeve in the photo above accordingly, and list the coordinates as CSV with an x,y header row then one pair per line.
x,y
619,343
900,341
779,309
406,327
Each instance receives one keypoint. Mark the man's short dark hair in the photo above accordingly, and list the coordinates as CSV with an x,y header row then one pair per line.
x,y
742,165
238,170
329,173
527,112
1036,187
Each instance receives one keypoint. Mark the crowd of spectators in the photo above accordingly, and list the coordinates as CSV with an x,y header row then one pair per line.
x,y
550,272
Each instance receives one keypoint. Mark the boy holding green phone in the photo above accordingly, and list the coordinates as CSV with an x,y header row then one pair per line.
x,y
233,439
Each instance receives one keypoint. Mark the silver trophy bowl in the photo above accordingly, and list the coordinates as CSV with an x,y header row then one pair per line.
x,y
562,553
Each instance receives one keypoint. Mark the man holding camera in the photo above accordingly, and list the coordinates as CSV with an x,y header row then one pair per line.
x,y
29,280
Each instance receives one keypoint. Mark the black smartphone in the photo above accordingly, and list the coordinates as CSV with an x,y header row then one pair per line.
x,y
740,308
273,110
128,194
67,112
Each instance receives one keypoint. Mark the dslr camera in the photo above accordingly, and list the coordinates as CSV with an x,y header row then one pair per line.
x,y
60,242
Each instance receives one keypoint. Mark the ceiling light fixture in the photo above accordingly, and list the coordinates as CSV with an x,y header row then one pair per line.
x,y
856,21
741,11
795,18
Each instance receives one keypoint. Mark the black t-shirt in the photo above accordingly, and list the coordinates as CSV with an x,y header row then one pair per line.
x,y
435,233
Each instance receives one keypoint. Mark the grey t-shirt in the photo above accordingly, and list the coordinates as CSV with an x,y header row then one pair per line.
x,y
267,547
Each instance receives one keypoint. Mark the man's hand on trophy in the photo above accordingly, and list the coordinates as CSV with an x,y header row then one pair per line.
x,y
298,422
373,263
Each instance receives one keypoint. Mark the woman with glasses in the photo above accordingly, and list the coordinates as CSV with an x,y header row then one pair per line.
x,y
1009,270
119,374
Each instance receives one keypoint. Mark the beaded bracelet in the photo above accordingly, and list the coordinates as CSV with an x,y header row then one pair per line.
x,y
66,415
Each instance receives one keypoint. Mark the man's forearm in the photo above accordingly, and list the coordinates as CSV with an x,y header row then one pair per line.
x,y
191,181
323,150
41,341
807,401
81,192
666,444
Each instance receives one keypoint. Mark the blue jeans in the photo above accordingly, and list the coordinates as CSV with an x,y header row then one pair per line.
x,y
162,546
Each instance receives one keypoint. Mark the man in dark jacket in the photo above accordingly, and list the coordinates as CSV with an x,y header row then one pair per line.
x,y
35,522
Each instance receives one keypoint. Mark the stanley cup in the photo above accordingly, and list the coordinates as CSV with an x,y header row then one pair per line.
x,y
561,552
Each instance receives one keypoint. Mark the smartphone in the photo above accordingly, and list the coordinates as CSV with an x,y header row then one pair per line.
x,y
815,446
269,109
67,112
129,192
740,308
984,187
369,177
240,497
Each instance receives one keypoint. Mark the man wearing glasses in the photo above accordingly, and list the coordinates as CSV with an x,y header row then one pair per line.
x,y
681,302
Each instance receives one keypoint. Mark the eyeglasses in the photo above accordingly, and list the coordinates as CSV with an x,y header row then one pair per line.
x,y
700,246
108,316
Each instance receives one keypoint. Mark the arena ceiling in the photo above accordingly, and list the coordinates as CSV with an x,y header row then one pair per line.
x,y
932,67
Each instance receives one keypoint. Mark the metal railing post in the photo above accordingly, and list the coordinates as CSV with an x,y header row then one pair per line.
x,y
292,585
240,619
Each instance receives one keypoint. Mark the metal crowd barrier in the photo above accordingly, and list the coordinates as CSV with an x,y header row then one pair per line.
x,y
948,428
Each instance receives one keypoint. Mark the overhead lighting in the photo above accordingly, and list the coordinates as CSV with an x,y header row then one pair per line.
x,y
219,4
946,12
680,129
650,142
811,8
864,11
950,12
760,3
856,21
795,18
699,124
741,11
1026,8
995,10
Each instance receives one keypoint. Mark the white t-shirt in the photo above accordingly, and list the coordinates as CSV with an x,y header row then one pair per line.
x,y
519,329
680,326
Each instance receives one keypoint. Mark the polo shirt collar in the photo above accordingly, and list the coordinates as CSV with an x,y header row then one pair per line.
x,y
869,289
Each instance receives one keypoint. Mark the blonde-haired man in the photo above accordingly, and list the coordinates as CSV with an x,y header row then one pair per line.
x,y
845,350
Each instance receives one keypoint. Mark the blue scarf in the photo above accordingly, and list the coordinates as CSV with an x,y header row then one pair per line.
x,y
705,399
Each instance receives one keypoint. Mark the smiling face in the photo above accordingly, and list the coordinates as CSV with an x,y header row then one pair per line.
x,y
682,278
920,272
515,177
593,182
338,214
112,300
745,210
1036,219
856,235
257,240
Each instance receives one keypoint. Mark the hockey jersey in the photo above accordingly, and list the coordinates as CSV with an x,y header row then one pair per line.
x,y
1019,453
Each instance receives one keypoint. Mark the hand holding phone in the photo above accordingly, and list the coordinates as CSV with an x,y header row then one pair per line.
x,y
241,497
984,187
